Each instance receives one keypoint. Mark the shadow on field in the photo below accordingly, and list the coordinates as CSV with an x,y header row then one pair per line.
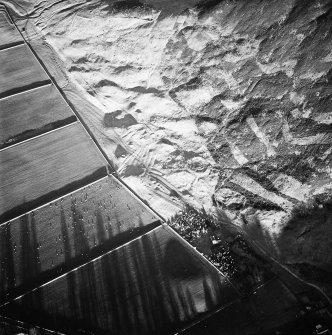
x,y
272,299
21,269
303,244
145,287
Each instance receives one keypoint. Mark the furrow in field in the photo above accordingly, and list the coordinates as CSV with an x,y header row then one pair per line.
x,y
32,113
43,168
19,71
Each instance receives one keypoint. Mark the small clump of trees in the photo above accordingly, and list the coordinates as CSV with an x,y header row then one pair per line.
x,y
222,259
191,224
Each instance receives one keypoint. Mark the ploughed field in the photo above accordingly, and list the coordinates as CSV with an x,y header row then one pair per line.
x,y
154,284
9,34
19,71
43,168
67,232
32,113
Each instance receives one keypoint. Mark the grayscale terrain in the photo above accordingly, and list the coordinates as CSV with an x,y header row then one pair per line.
x,y
215,117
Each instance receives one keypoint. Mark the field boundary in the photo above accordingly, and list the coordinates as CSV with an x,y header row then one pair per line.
x,y
81,265
136,196
32,133
52,274
56,199
16,44
69,104
23,325
10,45
31,89
3,8
24,88
48,197
37,136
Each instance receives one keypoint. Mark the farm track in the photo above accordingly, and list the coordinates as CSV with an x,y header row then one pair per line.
x,y
77,235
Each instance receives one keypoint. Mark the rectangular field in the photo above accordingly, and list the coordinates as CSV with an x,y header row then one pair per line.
x,y
19,71
9,35
153,285
52,239
39,170
32,113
